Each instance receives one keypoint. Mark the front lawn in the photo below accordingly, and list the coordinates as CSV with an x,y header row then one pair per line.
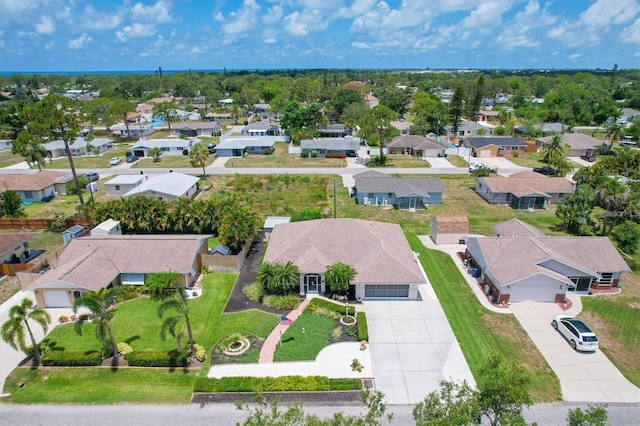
x,y
403,160
166,162
90,161
305,338
281,158
528,160
480,331
8,159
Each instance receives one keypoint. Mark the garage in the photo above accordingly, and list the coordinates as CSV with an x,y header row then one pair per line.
x,y
56,299
538,292
386,291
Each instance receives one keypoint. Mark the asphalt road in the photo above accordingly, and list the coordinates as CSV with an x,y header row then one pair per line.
x,y
227,414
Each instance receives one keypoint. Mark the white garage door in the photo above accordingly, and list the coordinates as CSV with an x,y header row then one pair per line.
x,y
56,299
485,153
537,292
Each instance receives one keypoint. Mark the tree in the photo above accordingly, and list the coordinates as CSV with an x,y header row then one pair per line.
x,y
339,275
575,211
162,284
286,276
592,416
36,154
376,128
198,157
13,330
614,132
167,112
555,151
476,101
178,304
430,113
613,197
96,111
12,204
452,405
119,110
456,108
627,236
155,153
102,305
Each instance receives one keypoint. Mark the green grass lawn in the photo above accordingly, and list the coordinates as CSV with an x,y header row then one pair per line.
x,y
166,161
91,161
457,161
529,160
281,158
305,338
8,159
480,331
403,160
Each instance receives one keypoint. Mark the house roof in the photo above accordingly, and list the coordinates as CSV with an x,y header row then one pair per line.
x,y
545,128
379,252
489,112
77,143
415,142
331,143
93,262
244,142
479,141
260,125
9,241
272,221
517,228
164,143
213,125
512,259
126,179
401,125
33,181
524,184
575,141
172,183
372,181
452,223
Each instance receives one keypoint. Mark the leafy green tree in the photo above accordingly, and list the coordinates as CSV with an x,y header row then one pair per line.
x,y
171,324
344,98
376,128
396,100
198,157
12,204
13,330
264,275
119,109
102,305
456,109
592,416
156,154
339,275
238,225
614,132
452,405
475,103
167,112
430,113
285,278
627,236
162,284
613,197
575,211
36,154
96,111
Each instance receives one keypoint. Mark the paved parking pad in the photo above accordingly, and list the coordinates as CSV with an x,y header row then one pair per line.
x,y
412,348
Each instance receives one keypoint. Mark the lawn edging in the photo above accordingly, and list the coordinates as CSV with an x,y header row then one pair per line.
x,y
333,398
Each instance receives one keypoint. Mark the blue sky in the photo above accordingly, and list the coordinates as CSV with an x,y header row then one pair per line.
x,y
110,35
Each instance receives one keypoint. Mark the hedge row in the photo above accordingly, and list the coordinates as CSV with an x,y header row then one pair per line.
x,y
345,384
71,358
157,359
263,384
327,304
363,330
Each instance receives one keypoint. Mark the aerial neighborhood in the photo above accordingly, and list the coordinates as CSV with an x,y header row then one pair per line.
x,y
322,233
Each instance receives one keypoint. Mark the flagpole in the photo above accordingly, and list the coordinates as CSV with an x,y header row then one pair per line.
x,y
280,329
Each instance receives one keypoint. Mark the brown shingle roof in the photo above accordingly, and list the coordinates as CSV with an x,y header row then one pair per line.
x,y
575,141
9,240
517,228
379,252
452,223
415,142
32,181
522,184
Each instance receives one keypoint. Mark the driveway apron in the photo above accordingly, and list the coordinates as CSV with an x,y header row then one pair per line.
x,y
413,348
584,377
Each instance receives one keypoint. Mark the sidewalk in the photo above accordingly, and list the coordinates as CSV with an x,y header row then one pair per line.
x,y
271,342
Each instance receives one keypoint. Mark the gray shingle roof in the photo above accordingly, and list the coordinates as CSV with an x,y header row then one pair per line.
x,y
377,182
479,142
331,143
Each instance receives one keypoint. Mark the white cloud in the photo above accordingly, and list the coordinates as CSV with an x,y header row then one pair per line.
x,y
486,14
45,26
294,25
158,13
241,21
274,15
80,42
575,56
517,32
92,19
65,14
50,45
631,34
135,30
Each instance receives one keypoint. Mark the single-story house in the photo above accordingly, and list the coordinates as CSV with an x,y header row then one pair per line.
x,y
542,268
94,262
416,145
494,146
14,247
218,116
5,144
449,229
579,143
385,265
261,107
330,147
136,130
80,146
517,228
33,185
122,184
237,147
337,130
545,128
486,115
627,115
524,190
403,126
468,128
177,146
372,187
371,100
168,187
261,128
199,128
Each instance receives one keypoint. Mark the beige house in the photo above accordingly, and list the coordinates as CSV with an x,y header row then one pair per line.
x,y
33,185
168,187
579,143
524,190
449,229
95,262
416,145
385,265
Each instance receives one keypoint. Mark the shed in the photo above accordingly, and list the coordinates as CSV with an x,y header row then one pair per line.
x,y
272,221
74,232
220,249
449,229
108,227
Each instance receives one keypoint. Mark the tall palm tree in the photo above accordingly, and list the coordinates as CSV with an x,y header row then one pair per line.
x,y
13,329
170,324
102,305
554,152
198,157
286,276
36,153
614,133
339,276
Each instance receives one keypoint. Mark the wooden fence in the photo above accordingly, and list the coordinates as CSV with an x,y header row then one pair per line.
x,y
229,263
7,223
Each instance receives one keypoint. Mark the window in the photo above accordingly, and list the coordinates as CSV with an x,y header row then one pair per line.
x,y
132,278
28,195
607,278
164,149
117,187
77,294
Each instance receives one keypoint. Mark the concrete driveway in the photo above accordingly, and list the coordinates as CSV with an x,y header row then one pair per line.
x,y
439,162
584,377
412,348
505,167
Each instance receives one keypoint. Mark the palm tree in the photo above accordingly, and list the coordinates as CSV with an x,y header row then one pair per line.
x,y
102,305
36,153
554,152
170,323
13,329
339,276
615,132
285,276
265,274
198,157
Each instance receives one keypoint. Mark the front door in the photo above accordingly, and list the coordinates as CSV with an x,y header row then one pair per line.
x,y
311,283
532,203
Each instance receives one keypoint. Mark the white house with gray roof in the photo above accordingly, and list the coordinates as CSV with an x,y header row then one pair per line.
x,y
196,128
80,146
122,184
177,146
261,128
330,147
375,188
237,147
167,187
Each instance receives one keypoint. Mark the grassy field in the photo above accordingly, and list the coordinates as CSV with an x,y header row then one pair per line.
x,y
8,159
402,160
480,331
457,161
91,161
281,158
166,161
305,338
529,160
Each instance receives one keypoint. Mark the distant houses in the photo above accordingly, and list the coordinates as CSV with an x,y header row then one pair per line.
x,y
177,146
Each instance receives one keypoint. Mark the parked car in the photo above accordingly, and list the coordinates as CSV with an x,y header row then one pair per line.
x,y
92,176
588,157
577,333
546,170
48,198
211,148
115,160
132,158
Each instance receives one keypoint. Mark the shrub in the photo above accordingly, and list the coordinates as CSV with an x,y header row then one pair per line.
x,y
335,307
322,311
71,358
124,349
287,302
263,384
157,359
516,154
59,222
254,292
131,293
201,354
356,366
345,384
363,330
336,334
351,332
63,318
205,270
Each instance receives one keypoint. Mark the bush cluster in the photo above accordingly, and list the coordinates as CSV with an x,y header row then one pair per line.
x,y
124,349
157,359
287,302
322,312
71,358
263,384
131,293
335,307
201,354
254,292
363,330
345,384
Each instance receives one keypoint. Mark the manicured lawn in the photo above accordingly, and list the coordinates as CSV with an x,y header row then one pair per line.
x,y
480,331
529,160
166,161
305,338
402,160
91,161
8,159
615,319
66,204
457,161
281,158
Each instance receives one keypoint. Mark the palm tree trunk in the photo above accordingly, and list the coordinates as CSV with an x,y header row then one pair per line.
x,y
114,346
34,345
73,171
204,173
